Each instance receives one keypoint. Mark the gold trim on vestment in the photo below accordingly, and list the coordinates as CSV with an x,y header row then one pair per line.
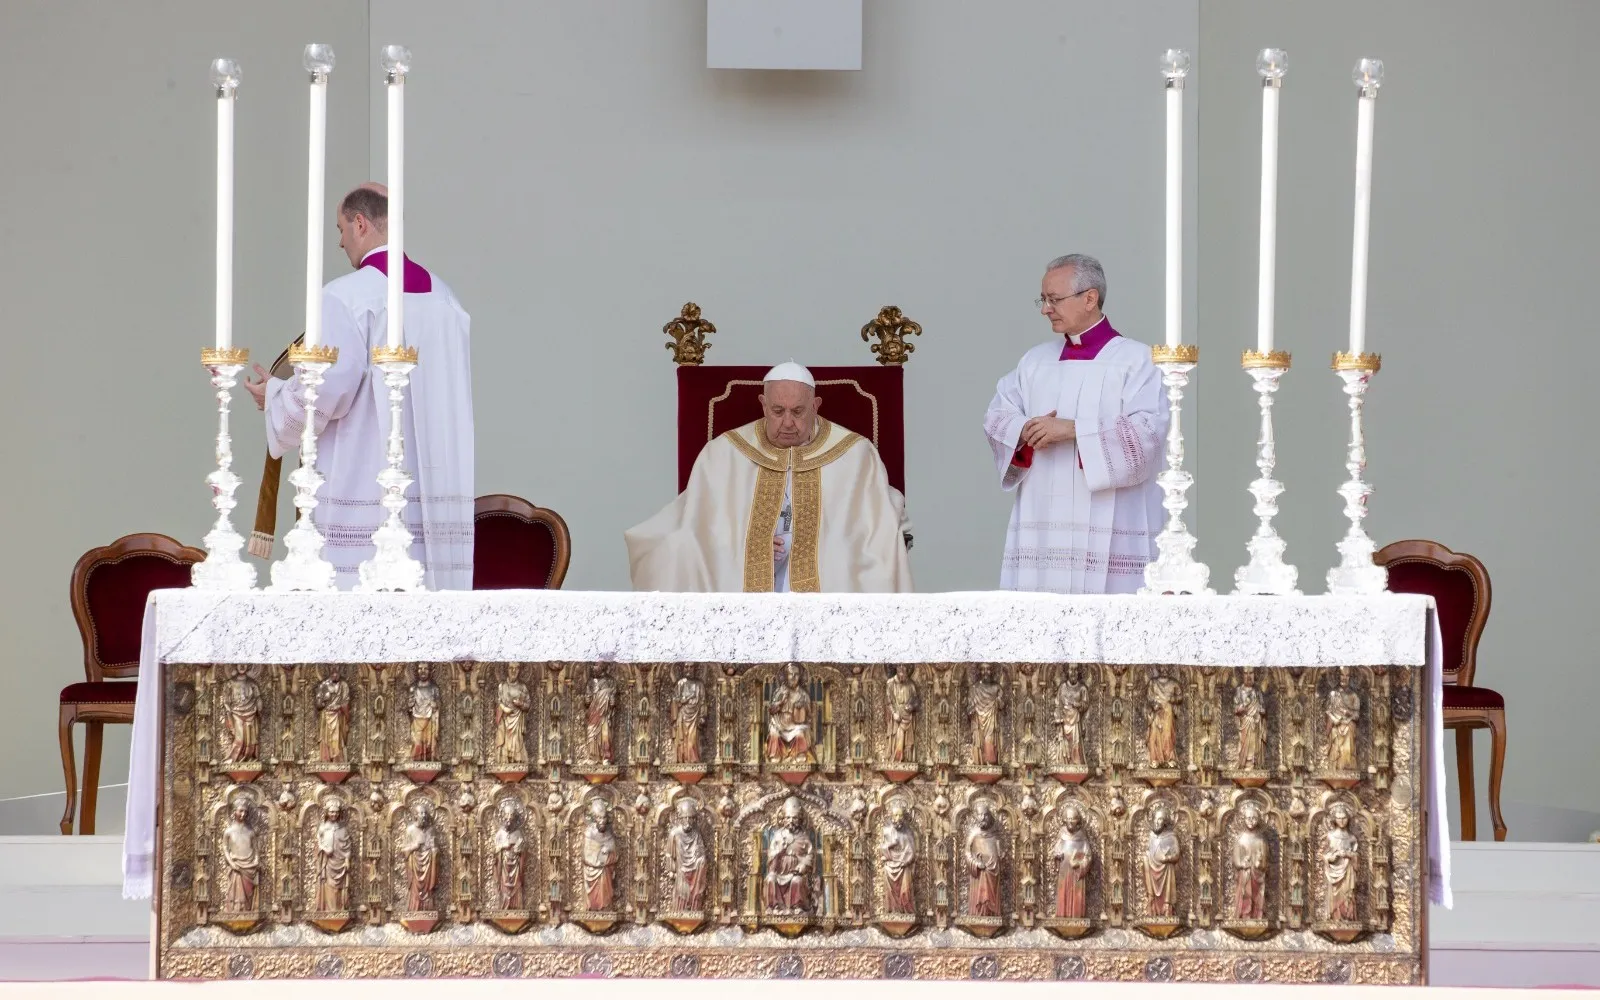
x,y
765,506
805,499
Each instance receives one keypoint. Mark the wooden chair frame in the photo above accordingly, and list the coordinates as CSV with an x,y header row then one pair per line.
x,y
1463,720
95,715
506,503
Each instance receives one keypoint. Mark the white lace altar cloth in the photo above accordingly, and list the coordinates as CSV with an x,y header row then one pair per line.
x,y
195,626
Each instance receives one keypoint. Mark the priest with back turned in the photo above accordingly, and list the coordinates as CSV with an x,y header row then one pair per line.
x,y
790,502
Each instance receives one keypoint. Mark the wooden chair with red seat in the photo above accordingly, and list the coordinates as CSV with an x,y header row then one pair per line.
x,y
109,587
1459,584
518,546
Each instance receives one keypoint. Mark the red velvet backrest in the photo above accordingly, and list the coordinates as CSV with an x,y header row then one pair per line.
x,y
867,399
517,546
109,588
1458,583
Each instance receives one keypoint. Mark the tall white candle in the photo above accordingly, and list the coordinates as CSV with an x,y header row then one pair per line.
x,y
318,61
1369,77
1174,66
225,76
1271,64
396,64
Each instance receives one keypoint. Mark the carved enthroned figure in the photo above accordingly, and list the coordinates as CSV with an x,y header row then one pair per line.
x,y
982,855
600,710
1250,709
1344,710
790,863
420,845
332,700
789,718
422,702
1250,857
508,855
686,851
241,703
240,859
1340,858
897,851
983,714
1161,864
1074,854
902,703
1072,701
511,703
599,858
333,859
1164,696
688,716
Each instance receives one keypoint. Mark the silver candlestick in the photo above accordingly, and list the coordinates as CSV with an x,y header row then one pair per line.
x,y
305,568
222,569
1174,570
1266,573
392,567
1356,572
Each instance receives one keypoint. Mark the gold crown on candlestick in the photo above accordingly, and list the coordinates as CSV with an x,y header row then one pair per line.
x,y
213,357
1175,354
299,354
1346,362
392,355
1268,359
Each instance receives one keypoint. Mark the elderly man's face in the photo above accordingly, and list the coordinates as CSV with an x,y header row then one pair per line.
x,y
1067,312
791,410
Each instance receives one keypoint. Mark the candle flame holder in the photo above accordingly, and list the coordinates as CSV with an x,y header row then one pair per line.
x,y
305,568
222,569
1356,572
392,567
1266,573
1174,570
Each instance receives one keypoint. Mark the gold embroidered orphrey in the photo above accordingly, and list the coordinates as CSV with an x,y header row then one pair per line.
x,y
770,862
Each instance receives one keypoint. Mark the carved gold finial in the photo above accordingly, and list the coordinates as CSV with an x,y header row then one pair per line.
x,y
892,327
688,333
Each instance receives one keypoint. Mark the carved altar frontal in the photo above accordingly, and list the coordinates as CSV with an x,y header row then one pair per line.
x,y
807,820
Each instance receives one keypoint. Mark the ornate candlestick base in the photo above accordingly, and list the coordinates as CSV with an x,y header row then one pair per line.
x,y
392,567
222,568
1356,572
1266,573
1174,570
304,568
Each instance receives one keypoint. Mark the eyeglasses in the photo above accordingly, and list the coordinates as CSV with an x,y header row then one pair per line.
x,y
1055,300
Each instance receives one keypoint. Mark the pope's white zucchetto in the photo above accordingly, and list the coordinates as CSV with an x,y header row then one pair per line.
x,y
790,372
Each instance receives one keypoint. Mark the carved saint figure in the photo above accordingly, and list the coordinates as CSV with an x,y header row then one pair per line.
x,y
1161,864
982,855
1251,711
332,700
600,703
789,718
688,716
897,850
420,845
239,857
1072,701
1344,709
1074,854
333,859
1164,695
511,703
686,851
903,702
1340,858
422,701
241,701
1250,866
790,860
983,714
508,849
599,858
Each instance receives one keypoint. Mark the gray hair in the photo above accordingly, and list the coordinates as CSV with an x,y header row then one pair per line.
x,y
1086,274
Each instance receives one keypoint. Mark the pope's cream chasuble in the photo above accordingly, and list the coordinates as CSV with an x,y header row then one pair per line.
x,y
829,499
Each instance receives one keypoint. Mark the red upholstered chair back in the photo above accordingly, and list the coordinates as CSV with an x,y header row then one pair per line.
x,y
867,399
109,588
1459,584
518,546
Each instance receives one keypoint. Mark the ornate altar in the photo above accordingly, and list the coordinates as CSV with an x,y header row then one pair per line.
x,y
524,784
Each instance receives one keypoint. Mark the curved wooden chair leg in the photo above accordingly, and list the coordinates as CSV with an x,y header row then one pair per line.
x,y
1497,763
94,736
1466,785
69,765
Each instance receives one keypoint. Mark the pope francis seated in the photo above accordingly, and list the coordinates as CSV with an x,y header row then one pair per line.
x,y
790,502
